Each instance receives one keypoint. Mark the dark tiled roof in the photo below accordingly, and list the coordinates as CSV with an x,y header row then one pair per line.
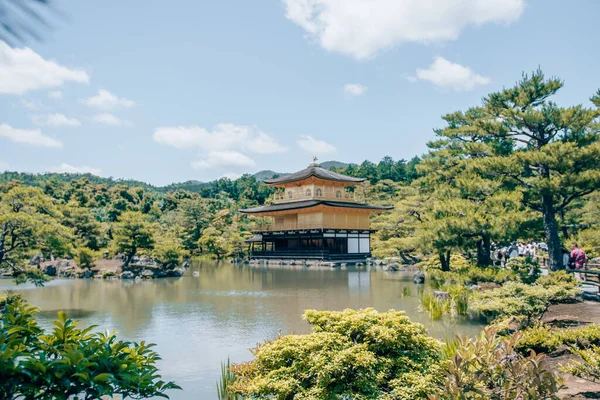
x,y
314,170
312,203
254,239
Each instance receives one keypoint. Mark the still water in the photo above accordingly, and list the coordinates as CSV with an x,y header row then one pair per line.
x,y
197,322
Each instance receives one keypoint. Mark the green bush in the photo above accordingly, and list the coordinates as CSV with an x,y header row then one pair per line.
x,y
357,354
526,269
589,366
542,339
488,367
70,361
471,275
524,303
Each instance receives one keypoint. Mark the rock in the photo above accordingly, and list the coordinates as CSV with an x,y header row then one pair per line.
x,y
595,260
138,279
359,264
343,265
195,274
177,272
147,273
185,265
475,287
419,277
88,273
391,267
36,259
441,296
127,275
161,273
49,270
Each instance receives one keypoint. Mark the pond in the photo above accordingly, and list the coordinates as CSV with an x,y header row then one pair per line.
x,y
199,321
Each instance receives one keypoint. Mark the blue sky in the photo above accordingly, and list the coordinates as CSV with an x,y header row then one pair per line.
x,y
203,89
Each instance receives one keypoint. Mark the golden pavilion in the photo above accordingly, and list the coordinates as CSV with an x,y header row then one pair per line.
x,y
313,216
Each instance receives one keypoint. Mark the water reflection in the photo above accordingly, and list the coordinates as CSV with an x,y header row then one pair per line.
x,y
199,321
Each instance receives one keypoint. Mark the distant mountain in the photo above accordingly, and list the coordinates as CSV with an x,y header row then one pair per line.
x,y
268,174
336,164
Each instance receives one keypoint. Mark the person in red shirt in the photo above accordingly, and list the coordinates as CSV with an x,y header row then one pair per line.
x,y
577,256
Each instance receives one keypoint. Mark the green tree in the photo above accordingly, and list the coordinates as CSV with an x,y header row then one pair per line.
x,y
213,242
29,221
474,208
550,153
70,361
132,233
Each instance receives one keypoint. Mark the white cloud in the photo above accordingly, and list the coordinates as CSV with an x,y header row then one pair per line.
x,y
315,146
56,120
222,137
110,119
224,159
22,70
105,100
446,74
362,28
75,169
231,175
31,104
354,90
55,94
33,137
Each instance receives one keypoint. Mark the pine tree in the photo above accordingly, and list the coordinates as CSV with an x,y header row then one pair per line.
x,y
522,139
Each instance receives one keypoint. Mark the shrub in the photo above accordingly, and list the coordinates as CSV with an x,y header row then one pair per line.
x,y
489,368
542,339
470,276
526,303
358,354
589,367
526,269
69,361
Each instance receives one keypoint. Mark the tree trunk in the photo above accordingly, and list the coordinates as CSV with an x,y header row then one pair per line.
x,y
445,260
555,258
484,251
407,258
129,258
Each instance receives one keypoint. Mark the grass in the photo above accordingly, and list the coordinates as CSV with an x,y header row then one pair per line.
x,y
227,378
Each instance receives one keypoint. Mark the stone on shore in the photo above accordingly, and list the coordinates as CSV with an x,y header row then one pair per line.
x,y
419,277
127,275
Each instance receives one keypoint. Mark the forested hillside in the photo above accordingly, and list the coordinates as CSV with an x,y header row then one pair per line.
x,y
518,167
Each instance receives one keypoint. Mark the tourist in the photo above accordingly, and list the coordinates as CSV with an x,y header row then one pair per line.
x,y
578,257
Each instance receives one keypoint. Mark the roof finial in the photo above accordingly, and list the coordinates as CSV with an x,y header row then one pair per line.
x,y
314,163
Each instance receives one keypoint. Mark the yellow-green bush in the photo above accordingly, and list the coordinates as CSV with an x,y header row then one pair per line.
x,y
542,339
525,303
358,354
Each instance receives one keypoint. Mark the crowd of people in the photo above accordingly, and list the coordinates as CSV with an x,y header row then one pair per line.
x,y
575,259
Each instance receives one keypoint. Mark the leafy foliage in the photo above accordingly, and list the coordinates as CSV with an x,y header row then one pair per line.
x,y
359,354
521,303
489,367
589,367
71,361
543,339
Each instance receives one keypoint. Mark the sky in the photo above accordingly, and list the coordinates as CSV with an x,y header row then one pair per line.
x,y
172,91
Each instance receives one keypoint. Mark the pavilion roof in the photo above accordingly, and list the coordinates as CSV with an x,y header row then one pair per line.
x,y
316,171
312,203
